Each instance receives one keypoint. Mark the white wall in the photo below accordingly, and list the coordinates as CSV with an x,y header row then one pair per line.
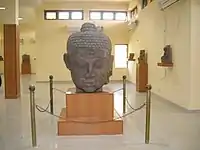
x,y
170,83
195,55
28,47
51,45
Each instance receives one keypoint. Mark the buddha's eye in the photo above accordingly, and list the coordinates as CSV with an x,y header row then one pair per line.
x,y
79,63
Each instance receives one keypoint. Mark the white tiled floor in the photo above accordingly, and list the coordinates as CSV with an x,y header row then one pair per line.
x,y
172,128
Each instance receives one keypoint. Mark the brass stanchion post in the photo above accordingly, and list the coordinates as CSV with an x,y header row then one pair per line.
x,y
51,93
148,114
32,109
124,94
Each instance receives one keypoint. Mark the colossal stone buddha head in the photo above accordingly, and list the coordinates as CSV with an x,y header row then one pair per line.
x,y
89,58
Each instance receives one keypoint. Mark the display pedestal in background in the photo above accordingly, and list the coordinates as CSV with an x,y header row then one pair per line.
x,y
26,64
141,77
26,68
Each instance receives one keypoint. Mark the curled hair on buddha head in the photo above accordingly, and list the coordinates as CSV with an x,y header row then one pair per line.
x,y
88,27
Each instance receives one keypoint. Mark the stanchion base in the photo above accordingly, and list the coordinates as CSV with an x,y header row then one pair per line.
x,y
67,127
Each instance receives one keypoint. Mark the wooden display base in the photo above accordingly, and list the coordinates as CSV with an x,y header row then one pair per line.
x,y
26,68
165,64
91,127
95,109
141,77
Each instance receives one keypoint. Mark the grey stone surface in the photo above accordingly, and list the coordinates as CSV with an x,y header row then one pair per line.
x,y
89,58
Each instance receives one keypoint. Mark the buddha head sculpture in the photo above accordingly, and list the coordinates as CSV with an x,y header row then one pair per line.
x,y
89,58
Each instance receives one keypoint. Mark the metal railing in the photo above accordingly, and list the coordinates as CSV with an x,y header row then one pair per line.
x,y
33,106
124,94
148,114
51,93
32,109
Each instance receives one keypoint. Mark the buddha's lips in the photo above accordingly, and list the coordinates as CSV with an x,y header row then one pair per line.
x,y
89,82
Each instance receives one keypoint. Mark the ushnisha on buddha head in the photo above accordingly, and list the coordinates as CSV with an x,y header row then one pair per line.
x,y
89,58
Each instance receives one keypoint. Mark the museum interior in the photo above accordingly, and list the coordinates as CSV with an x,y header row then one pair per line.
x,y
132,82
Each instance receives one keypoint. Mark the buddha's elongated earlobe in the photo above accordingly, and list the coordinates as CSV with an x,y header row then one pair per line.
x,y
66,60
111,64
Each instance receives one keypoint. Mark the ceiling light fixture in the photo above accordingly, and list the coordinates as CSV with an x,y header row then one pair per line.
x,y
2,8
20,18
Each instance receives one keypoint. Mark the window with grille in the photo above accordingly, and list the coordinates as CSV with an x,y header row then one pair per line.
x,y
63,15
108,15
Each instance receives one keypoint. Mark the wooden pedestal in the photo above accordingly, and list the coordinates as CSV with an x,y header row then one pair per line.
x,y
26,68
95,109
141,77
26,64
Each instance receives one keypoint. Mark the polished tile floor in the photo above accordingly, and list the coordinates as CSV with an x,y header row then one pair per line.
x,y
172,128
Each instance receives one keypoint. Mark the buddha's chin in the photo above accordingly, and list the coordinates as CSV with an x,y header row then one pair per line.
x,y
89,86
91,89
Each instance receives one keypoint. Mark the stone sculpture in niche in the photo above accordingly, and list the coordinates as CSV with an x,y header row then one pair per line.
x,y
167,56
89,58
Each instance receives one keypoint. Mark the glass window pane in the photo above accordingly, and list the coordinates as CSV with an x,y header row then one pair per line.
x,y
63,15
120,16
77,15
108,15
120,56
50,15
95,15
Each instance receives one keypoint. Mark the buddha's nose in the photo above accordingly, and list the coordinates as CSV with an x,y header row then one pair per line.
x,y
90,72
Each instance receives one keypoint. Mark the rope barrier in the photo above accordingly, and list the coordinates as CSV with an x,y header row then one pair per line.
x,y
117,90
92,122
44,109
41,109
59,90
117,113
129,104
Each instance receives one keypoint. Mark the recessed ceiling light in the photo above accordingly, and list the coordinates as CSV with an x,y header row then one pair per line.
x,y
20,18
2,8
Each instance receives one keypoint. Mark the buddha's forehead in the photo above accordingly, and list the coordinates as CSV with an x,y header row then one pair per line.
x,y
91,53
